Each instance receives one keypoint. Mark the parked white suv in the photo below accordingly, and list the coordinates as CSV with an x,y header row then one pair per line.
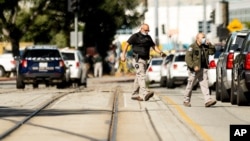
x,y
177,73
7,64
153,71
212,67
75,60
164,69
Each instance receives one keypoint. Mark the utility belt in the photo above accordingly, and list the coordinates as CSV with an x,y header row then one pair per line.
x,y
137,57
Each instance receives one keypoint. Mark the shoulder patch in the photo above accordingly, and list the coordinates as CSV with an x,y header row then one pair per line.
x,y
190,49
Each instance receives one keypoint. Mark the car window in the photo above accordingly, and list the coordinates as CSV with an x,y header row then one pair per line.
x,y
180,58
239,41
247,46
156,62
170,57
68,56
217,54
229,42
80,56
41,53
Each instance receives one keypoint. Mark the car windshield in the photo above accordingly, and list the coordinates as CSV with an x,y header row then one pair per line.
x,y
68,56
180,58
41,53
156,62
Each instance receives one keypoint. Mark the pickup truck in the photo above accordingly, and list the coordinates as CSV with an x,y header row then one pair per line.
x,y
7,64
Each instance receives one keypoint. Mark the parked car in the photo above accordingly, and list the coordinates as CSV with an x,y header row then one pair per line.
x,y
164,68
225,65
41,64
240,87
213,59
153,71
177,71
7,64
75,60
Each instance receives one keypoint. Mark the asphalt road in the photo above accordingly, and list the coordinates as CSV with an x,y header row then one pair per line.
x,y
86,113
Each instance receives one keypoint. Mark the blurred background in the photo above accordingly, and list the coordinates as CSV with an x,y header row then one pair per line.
x,y
104,26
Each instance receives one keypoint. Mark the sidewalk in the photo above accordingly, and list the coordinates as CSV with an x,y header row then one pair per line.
x,y
7,78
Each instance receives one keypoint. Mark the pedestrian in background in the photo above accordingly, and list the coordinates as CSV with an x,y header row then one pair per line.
x,y
86,65
197,62
98,68
122,66
141,43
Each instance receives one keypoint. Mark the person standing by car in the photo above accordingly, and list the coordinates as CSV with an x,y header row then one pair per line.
x,y
97,65
197,62
141,43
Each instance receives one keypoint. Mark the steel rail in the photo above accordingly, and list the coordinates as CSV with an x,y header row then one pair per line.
x,y
38,110
114,117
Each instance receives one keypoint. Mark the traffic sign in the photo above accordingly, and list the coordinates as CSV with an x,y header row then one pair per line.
x,y
235,25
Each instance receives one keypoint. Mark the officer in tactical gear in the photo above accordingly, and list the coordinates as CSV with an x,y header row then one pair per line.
x,y
141,43
197,62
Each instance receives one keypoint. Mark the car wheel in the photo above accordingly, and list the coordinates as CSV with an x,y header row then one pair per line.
x,y
61,85
85,84
224,95
233,95
170,83
35,85
163,81
47,84
2,72
217,89
241,96
19,83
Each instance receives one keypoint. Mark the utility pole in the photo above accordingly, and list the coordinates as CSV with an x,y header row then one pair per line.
x,y
156,24
76,29
204,17
73,6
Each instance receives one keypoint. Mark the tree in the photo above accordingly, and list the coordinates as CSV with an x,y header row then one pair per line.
x,y
247,24
48,21
32,20
102,21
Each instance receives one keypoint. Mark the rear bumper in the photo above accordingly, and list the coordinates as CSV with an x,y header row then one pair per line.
x,y
211,77
153,77
52,78
180,79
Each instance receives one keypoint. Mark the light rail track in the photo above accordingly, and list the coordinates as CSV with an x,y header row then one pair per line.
x,y
34,113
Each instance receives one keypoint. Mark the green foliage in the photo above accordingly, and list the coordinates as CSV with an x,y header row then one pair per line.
x,y
60,39
247,25
47,21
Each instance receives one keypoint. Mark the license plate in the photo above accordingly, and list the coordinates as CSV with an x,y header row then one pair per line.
x,y
43,65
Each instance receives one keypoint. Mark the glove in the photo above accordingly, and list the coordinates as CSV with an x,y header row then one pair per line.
x,y
163,54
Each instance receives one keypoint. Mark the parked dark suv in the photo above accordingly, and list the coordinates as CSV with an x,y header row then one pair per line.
x,y
41,64
225,64
240,90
